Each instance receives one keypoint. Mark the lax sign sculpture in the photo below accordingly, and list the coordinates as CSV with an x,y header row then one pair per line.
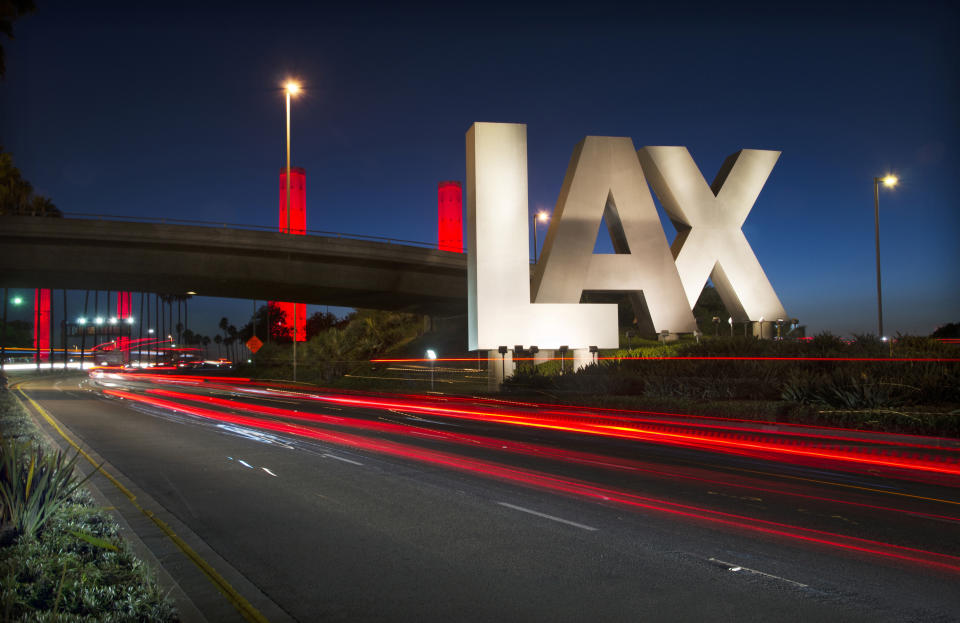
x,y
607,179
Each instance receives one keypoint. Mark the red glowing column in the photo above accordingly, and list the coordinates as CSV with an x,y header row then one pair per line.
x,y
41,319
123,305
298,225
450,216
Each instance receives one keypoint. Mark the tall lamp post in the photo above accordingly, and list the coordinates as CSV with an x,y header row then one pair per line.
x,y
3,343
291,88
542,216
889,181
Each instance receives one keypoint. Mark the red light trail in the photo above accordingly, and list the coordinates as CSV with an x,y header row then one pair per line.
x,y
510,446
715,358
811,447
571,487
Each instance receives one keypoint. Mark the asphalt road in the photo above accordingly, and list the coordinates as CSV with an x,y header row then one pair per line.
x,y
393,515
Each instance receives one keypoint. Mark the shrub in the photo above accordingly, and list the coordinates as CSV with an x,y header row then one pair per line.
x,y
78,569
34,484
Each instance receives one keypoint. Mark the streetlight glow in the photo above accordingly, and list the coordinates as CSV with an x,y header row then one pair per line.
x,y
889,180
542,216
81,321
17,300
292,87
99,320
431,354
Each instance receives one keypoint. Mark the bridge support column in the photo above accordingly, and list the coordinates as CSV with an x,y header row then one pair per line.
x,y
582,357
499,367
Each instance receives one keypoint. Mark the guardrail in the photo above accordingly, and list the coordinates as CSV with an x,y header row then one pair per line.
x,y
174,221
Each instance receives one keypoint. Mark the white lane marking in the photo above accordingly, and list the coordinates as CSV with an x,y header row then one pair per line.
x,y
545,516
735,568
340,458
269,472
244,463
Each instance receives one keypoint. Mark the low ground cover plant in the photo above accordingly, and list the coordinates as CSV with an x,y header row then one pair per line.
x,y
61,557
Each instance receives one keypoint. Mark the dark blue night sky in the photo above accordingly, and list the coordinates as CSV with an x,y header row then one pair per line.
x,y
177,111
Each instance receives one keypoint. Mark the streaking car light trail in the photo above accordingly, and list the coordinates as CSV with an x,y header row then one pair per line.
x,y
270,387
570,487
877,440
705,358
731,444
517,447
742,441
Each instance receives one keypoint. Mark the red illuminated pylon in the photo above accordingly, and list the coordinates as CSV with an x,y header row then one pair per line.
x,y
297,225
450,216
123,305
41,322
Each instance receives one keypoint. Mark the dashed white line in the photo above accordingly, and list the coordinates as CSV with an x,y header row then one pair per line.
x,y
340,458
737,568
269,472
545,516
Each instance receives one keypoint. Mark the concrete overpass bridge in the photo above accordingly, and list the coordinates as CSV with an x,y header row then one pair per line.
x,y
78,254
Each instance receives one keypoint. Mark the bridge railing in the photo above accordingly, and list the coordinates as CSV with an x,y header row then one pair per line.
x,y
176,221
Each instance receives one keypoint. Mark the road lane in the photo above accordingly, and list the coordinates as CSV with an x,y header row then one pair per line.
x,y
338,532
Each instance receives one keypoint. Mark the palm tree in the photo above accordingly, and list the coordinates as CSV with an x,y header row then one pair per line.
x,y
218,340
235,340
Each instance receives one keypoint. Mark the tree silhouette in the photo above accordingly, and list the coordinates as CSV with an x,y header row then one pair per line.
x,y
9,11
16,193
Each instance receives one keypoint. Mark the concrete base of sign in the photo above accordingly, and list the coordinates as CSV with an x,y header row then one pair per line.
x,y
499,367
542,356
582,357
767,330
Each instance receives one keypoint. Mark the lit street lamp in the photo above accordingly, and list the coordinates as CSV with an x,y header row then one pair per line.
x,y
3,342
542,216
889,181
291,88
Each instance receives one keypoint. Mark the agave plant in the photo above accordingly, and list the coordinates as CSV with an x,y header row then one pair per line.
x,y
34,484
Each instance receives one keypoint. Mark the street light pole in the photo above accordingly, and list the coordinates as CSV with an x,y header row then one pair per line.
x,y
3,340
291,88
889,181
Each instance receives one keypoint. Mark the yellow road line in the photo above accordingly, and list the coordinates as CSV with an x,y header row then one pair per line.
x,y
249,612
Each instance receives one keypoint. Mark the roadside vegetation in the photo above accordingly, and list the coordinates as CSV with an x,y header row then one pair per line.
x,y
62,557
841,387
336,348
862,382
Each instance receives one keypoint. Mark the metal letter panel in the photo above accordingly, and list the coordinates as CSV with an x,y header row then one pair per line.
x,y
605,180
710,242
498,269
